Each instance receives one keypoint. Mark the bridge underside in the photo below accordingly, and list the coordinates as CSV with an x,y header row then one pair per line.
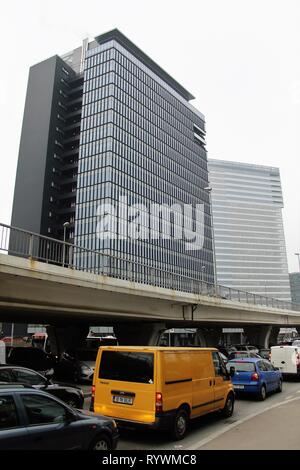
x,y
34,292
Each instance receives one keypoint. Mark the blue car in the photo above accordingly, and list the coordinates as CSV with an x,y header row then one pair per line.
x,y
254,375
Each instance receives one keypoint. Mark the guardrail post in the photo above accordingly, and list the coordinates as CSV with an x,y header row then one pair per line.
x,y
70,263
152,276
30,250
64,255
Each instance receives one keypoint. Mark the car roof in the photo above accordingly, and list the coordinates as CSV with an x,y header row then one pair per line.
x,y
12,366
12,387
247,359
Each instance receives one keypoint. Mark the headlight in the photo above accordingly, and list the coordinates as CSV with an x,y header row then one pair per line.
x,y
114,424
86,369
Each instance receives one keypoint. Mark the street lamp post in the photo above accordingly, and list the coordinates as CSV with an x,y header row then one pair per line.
x,y
298,254
209,190
65,225
203,269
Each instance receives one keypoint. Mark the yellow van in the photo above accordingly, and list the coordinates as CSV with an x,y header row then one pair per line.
x,y
160,387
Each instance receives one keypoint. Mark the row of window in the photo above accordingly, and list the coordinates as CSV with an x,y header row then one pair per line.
x,y
132,71
162,151
136,251
151,102
152,159
130,175
134,165
166,195
124,102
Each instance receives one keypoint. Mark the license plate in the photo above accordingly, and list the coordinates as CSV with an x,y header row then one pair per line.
x,y
238,387
124,400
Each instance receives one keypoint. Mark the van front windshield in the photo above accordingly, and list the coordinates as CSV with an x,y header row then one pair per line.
x,y
127,366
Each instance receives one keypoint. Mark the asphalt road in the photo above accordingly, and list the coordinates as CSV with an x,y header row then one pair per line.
x,y
271,424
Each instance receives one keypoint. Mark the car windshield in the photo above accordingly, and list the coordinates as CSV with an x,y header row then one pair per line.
x,y
127,366
241,366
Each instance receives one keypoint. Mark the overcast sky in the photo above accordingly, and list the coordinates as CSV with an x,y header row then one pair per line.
x,y
241,59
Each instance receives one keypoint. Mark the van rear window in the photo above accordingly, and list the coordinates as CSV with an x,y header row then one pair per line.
x,y
127,366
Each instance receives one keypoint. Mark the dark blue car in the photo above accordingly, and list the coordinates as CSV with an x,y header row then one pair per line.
x,y
34,420
254,375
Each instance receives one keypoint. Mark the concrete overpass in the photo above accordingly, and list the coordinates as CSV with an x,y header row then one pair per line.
x,y
70,299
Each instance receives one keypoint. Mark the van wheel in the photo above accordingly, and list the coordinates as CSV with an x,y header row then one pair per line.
x,y
180,424
227,411
279,388
263,393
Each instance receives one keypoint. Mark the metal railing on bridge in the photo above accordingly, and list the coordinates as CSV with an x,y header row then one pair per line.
x,y
18,242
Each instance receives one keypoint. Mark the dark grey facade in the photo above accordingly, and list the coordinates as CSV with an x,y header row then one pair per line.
x,y
295,287
45,189
123,128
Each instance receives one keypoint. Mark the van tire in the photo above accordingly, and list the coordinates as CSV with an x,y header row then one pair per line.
x,y
262,393
228,409
180,424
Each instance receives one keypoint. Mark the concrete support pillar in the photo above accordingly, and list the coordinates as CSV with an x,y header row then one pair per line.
x,y
139,334
261,335
66,338
209,337
273,336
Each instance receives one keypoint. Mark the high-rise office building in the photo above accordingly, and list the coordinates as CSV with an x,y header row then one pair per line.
x,y
103,124
249,237
295,287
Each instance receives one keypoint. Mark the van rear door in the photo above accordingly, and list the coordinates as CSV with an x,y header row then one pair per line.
x,y
125,385
284,358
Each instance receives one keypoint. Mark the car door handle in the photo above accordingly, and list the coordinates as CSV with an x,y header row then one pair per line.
x,y
210,383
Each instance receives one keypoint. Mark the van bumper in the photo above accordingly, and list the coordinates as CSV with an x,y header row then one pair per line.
x,y
163,421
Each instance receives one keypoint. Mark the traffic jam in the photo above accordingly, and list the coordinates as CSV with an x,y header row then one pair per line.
x,y
85,399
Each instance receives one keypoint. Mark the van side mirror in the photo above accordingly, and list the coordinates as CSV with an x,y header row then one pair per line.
x,y
232,371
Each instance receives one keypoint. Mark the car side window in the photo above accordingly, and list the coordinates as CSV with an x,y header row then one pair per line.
x,y
262,366
5,376
43,410
27,377
269,366
8,412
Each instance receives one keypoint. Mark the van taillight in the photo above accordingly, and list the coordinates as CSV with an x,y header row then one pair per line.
x,y
255,377
92,398
297,359
158,403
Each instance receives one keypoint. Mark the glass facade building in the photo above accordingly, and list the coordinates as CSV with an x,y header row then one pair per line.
x,y
295,287
249,237
142,144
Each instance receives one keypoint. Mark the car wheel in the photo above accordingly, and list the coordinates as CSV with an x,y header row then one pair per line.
x,y
263,393
180,424
279,389
227,411
101,442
